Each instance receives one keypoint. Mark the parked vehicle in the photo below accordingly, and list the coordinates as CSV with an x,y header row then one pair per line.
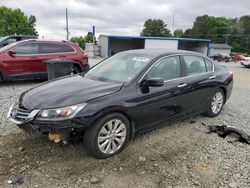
x,y
124,95
246,62
4,41
239,58
220,57
25,59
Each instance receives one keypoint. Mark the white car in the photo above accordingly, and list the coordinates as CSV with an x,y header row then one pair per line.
x,y
245,62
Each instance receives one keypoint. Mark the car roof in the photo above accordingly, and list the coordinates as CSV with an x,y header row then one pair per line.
x,y
161,52
42,41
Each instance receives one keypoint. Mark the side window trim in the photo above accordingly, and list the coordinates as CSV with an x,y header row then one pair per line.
x,y
158,61
23,45
41,53
185,65
205,59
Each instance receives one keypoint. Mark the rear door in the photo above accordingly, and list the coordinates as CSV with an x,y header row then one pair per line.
x,y
54,51
163,103
24,62
200,80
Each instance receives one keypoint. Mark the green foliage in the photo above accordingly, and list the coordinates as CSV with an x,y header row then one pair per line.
x,y
80,40
178,33
155,28
214,28
89,37
235,32
14,21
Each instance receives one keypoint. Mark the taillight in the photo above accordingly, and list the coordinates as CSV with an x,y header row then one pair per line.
x,y
85,53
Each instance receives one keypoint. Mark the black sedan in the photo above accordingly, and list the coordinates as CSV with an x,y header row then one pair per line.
x,y
124,95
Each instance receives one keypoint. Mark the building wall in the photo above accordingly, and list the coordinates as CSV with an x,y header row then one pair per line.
x,y
200,47
103,42
119,44
220,51
161,44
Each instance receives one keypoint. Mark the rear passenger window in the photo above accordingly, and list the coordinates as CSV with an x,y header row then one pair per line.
x,y
55,48
167,69
66,48
194,65
209,65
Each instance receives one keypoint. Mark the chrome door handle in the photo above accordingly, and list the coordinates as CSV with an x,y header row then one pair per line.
x,y
181,85
212,77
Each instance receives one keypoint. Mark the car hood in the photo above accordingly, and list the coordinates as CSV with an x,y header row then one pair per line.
x,y
65,92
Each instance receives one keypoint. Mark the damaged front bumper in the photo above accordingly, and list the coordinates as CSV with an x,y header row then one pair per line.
x,y
27,121
20,115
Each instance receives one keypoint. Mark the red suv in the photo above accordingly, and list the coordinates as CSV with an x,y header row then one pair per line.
x,y
25,59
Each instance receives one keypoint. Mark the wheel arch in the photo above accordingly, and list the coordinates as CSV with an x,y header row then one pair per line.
x,y
2,75
225,93
115,109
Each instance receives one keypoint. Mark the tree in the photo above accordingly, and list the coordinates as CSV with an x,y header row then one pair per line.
x,y
214,28
155,28
80,40
178,33
234,31
89,37
14,21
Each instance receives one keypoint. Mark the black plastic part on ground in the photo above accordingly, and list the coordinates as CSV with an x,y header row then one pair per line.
x,y
223,131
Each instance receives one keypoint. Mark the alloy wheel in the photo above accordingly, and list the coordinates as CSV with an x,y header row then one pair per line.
x,y
217,102
112,136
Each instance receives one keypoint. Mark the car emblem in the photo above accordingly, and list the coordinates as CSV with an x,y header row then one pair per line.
x,y
14,113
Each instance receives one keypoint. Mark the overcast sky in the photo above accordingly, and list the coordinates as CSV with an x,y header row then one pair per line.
x,y
120,17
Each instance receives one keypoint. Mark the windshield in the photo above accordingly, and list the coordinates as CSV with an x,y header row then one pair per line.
x,y
121,67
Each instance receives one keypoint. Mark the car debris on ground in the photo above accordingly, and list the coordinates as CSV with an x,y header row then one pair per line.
x,y
223,131
15,180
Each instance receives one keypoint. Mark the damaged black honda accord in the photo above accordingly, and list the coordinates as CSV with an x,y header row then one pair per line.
x,y
122,96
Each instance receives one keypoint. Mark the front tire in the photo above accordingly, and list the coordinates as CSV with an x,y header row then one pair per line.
x,y
107,136
216,104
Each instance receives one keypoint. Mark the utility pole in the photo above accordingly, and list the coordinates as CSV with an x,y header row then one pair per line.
x,y
67,25
173,23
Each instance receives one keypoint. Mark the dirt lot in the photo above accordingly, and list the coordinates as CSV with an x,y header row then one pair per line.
x,y
177,155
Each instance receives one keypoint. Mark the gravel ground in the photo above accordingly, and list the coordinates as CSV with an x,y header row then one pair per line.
x,y
177,155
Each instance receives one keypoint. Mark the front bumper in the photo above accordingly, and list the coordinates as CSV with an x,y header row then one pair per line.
x,y
21,116
26,120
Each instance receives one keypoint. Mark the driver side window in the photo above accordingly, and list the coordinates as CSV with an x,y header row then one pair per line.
x,y
168,68
30,48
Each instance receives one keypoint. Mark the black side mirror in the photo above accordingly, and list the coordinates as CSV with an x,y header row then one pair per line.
x,y
153,82
11,53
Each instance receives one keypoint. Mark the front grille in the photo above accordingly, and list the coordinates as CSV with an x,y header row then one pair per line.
x,y
20,114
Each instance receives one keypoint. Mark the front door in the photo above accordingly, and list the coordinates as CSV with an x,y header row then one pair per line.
x,y
23,64
160,104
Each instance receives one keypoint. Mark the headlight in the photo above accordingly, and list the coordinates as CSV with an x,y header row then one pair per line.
x,y
63,113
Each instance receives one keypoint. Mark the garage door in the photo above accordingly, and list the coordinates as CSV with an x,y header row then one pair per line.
x,y
161,44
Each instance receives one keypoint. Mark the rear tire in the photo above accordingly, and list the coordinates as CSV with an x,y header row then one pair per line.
x,y
216,103
1,78
108,136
